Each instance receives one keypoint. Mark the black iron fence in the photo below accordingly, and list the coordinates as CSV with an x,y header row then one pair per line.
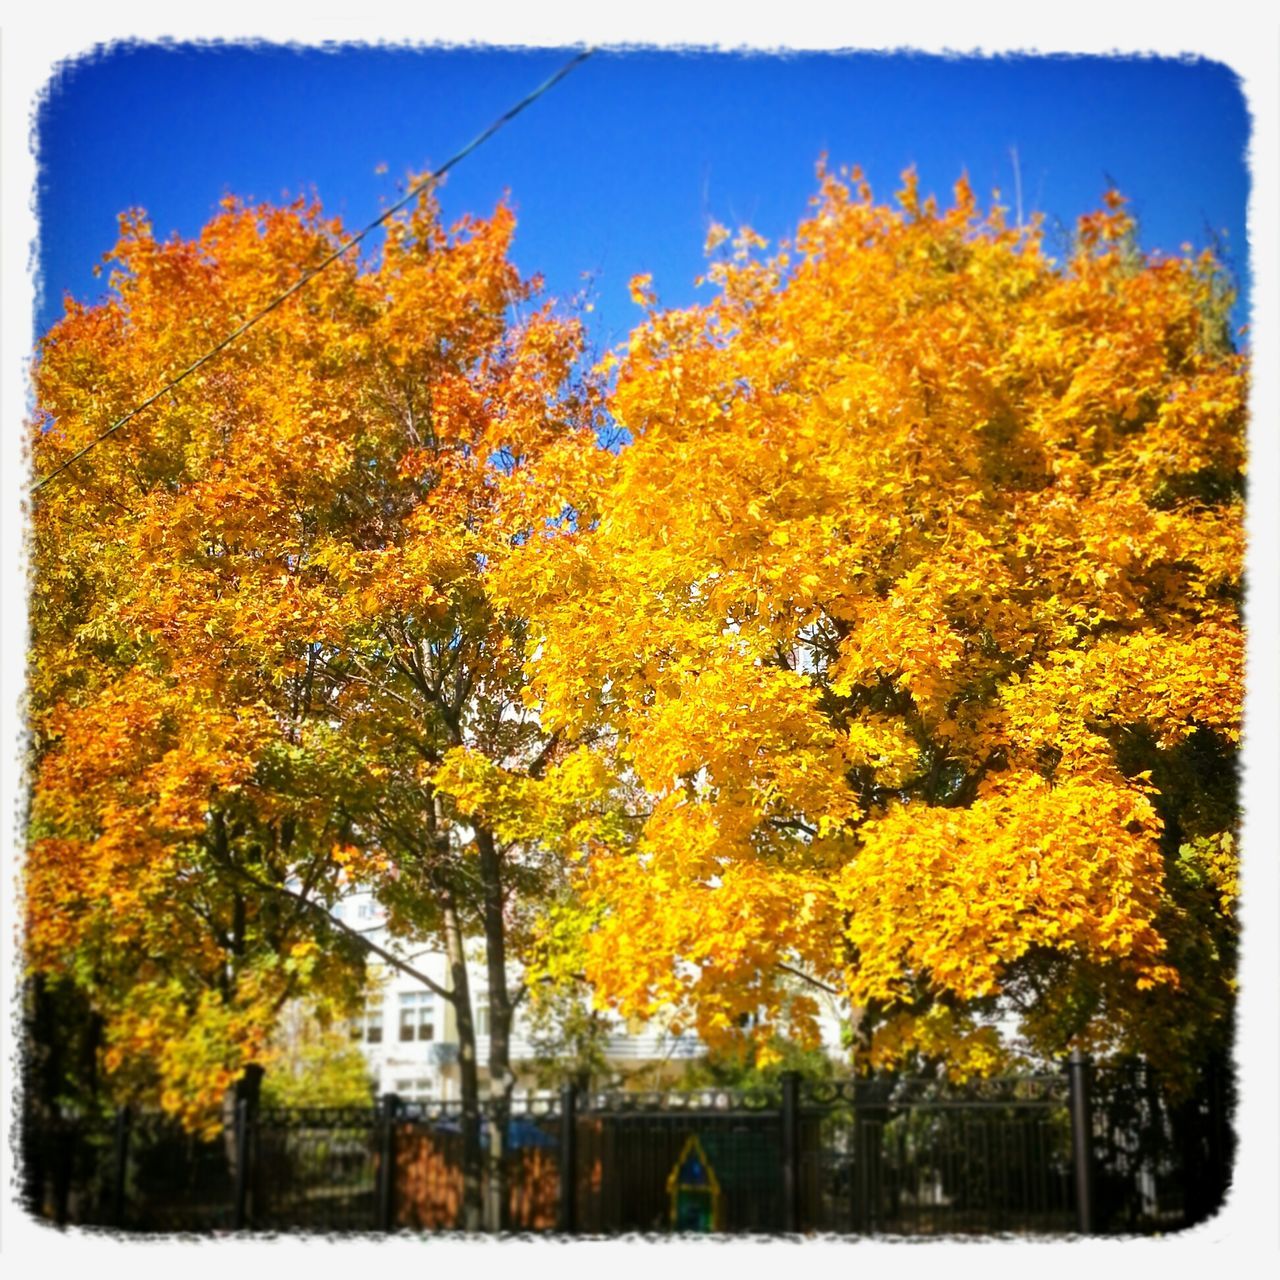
x,y
1077,1151
911,1157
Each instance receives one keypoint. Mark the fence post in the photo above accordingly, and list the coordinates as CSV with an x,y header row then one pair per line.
x,y
791,1152
64,1157
121,1163
568,1158
1220,1140
387,1163
241,1204
1081,1138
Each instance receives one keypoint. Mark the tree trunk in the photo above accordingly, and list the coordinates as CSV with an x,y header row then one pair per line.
x,y
472,1200
501,1079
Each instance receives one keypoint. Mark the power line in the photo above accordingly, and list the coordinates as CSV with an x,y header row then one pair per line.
x,y
308,276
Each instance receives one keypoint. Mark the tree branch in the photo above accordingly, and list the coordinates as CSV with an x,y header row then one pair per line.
x,y
372,947
812,981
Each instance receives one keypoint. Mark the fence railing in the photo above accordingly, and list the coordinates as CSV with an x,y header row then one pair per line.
x,y
1077,1151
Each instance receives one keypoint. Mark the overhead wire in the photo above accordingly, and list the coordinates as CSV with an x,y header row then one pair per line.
x,y
307,276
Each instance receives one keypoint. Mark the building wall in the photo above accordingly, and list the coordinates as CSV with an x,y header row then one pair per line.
x,y
407,1060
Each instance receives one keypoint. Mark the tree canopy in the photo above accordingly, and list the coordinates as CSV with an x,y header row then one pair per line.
x,y
261,624
897,650
914,606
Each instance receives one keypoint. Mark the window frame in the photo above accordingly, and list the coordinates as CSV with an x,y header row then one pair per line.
x,y
416,1022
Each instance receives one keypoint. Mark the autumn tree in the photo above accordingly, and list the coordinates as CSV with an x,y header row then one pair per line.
x,y
266,661
165,691
914,605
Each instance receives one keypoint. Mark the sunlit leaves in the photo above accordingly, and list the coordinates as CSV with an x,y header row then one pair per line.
x,y
916,529
261,615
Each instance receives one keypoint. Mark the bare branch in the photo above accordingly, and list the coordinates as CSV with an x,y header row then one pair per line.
x,y
373,948
812,981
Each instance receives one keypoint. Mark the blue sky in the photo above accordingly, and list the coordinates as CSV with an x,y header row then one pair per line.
x,y
621,167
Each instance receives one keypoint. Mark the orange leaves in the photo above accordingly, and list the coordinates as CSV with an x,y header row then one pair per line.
x,y
912,523
1099,231
267,607
570,810
1175,682
667,938
958,894
914,530
772,750
641,288
968,1048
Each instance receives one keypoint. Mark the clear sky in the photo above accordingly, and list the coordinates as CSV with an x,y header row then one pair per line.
x,y
621,167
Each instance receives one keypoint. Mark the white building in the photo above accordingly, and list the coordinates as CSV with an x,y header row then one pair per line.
x,y
409,1035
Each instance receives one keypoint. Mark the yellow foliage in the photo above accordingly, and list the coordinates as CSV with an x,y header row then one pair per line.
x,y
915,525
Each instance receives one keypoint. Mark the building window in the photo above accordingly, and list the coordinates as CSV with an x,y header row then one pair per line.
x,y
415,1090
482,1016
367,1026
417,1016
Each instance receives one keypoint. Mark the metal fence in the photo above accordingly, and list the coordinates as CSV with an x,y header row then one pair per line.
x,y
1077,1151
913,1157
